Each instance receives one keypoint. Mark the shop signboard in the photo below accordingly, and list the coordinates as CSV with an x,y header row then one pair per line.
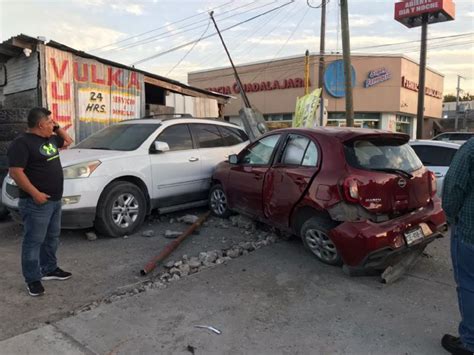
x,y
105,95
409,12
85,95
334,79
59,88
376,77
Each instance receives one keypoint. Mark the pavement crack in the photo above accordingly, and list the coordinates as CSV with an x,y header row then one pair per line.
x,y
74,341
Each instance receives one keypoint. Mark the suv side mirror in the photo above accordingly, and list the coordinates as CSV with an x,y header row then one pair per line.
x,y
233,159
161,147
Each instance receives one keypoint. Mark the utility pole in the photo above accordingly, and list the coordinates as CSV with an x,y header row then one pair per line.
x,y
458,91
422,76
237,78
346,52
322,49
306,73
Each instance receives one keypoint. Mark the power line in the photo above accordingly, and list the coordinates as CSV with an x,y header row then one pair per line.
x,y
286,42
168,34
325,2
158,28
212,34
190,49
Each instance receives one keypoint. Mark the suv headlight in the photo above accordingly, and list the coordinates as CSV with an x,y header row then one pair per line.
x,y
82,170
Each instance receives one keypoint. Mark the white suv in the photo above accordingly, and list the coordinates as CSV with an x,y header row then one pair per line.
x,y
115,177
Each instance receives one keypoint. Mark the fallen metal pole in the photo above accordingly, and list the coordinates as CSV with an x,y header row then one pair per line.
x,y
151,265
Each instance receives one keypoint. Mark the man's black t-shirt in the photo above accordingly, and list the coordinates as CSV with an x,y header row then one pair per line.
x,y
39,157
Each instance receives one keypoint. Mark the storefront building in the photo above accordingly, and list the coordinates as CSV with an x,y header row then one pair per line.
x,y
385,90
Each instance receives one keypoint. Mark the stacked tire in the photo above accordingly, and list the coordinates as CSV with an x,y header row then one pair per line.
x,y
12,123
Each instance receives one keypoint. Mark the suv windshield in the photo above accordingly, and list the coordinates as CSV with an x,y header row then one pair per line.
x,y
124,137
382,154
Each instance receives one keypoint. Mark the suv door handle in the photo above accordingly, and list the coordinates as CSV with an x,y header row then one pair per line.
x,y
438,174
193,159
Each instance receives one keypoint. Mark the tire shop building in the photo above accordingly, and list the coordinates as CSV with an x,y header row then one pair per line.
x,y
385,90
86,93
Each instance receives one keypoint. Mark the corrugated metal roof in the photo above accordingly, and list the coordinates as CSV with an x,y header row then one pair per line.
x,y
8,46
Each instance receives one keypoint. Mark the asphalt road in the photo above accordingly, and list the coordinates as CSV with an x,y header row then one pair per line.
x,y
278,299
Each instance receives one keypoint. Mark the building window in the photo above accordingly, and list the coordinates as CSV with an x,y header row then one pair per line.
x,y
361,119
403,124
278,117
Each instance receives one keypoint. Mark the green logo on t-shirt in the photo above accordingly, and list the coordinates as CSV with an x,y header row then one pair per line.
x,y
49,150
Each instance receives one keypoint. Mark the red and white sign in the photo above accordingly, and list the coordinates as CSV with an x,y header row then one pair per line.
x,y
408,10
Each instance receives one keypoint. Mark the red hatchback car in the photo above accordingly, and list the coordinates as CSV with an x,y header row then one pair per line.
x,y
355,196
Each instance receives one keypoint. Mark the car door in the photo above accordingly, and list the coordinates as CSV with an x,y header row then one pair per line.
x,y
289,177
246,178
436,159
177,172
212,149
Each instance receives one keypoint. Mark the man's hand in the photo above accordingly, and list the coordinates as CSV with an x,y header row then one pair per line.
x,y
41,198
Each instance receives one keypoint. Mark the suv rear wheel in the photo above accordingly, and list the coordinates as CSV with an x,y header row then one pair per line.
x,y
218,202
315,236
121,209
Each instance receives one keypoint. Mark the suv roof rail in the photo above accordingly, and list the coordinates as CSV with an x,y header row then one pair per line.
x,y
175,115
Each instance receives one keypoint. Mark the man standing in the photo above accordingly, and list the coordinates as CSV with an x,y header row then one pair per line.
x,y
458,203
34,164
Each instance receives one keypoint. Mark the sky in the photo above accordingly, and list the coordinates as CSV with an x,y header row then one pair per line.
x,y
130,31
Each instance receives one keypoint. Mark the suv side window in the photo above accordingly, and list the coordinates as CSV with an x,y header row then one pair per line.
x,y
178,137
434,156
232,136
207,135
260,153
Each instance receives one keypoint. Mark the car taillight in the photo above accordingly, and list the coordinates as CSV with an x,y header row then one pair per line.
x,y
433,186
351,189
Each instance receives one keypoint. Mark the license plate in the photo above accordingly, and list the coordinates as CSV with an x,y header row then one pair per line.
x,y
414,235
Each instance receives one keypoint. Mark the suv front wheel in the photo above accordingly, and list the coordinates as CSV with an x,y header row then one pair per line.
x,y
121,209
315,236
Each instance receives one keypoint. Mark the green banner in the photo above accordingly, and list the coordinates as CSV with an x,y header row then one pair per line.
x,y
306,110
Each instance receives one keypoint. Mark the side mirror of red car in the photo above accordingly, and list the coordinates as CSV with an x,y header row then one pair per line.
x,y
233,159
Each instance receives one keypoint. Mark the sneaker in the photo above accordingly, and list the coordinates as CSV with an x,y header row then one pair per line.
x,y
35,288
454,345
57,274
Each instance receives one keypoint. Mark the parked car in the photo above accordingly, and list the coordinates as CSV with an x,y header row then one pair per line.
x,y
436,156
454,137
115,177
355,196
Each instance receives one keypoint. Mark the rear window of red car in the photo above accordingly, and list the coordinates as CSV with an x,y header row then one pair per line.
x,y
381,153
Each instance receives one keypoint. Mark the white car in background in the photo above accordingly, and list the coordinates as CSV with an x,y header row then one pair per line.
x,y
454,137
115,177
436,156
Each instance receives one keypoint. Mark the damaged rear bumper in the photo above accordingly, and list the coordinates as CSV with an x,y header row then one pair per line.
x,y
365,245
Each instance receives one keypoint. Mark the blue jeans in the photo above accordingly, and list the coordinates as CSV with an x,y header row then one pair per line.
x,y
41,230
462,254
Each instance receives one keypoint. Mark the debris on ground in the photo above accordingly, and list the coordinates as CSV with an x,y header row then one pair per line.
x,y
172,234
91,236
149,233
191,349
188,219
212,329
243,222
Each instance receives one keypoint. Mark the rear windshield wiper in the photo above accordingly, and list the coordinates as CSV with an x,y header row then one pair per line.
x,y
396,171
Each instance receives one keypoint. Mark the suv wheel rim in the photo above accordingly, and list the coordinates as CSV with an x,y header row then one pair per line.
x,y
125,210
218,202
321,245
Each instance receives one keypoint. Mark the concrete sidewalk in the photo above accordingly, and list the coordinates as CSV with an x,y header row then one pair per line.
x,y
277,300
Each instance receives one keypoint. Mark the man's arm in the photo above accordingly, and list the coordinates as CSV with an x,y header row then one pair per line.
x,y
61,132
25,184
456,182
